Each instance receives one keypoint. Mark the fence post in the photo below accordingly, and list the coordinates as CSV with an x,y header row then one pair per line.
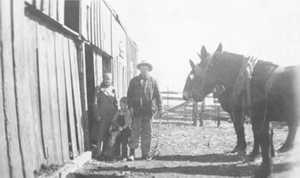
x,y
195,113
202,112
218,116
217,110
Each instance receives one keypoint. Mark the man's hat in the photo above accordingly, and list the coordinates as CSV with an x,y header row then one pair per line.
x,y
145,63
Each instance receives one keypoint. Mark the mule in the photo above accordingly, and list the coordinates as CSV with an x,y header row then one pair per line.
x,y
237,116
273,93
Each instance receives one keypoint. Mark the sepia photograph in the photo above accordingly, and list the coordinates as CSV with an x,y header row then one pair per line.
x,y
149,88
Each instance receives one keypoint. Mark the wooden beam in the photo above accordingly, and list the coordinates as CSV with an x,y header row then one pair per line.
x,y
57,26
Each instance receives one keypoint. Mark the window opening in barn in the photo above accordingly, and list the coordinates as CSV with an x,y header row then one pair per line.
x,y
106,64
72,14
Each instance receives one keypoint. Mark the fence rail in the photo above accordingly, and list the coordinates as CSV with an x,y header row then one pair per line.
x,y
196,111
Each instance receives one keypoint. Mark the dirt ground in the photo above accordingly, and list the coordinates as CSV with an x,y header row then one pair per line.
x,y
189,151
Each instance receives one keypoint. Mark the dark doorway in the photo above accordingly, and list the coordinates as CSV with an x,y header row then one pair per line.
x,y
90,84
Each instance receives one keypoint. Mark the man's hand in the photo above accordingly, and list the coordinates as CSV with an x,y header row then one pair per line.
x,y
159,114
120,129
131,111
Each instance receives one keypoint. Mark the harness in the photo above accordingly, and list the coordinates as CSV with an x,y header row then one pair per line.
x,y
241,87
273,77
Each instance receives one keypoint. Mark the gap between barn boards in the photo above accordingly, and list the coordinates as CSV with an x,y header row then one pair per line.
x,y
70,167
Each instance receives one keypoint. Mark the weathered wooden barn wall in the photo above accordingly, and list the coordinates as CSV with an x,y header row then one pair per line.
x,y
96,29
16,127
119,57
57,88
40,103
101,27
48,74
132,59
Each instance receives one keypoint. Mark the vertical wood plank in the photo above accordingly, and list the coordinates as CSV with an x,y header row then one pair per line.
x,y
106,20
53,98
69,100
4,161
45,6
61,11
50,10
100,69
27,94
82,16
101,25
76,96
57,13
30,48
53,8
73,91
97,23
83,93
38,4
62,95
9,98
95,68
93,22
44,93
88,23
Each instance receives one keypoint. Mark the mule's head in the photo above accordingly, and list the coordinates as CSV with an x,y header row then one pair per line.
x,y
203,78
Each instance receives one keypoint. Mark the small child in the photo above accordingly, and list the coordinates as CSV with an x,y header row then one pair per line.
x,y
122,122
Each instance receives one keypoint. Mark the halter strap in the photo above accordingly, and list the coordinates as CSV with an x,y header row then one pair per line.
x,y
203,74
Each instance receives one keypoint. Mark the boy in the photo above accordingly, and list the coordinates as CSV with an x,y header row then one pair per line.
x,y
122,123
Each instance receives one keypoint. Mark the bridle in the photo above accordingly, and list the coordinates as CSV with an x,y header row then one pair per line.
x,y
211,62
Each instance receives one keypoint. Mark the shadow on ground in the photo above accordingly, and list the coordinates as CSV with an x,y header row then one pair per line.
x,y
232,170
217,168
202,158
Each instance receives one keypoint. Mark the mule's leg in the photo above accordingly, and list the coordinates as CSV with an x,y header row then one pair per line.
x,y
255,152
271,140
261,127
289,142
238,123
265,168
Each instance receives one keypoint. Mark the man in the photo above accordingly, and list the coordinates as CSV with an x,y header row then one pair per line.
x,y
143,97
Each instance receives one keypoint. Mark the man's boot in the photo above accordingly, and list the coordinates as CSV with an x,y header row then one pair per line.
x,y
131,154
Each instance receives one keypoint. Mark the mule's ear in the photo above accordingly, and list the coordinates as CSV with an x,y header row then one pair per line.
x,y
204,53
199,55
220,48
192,64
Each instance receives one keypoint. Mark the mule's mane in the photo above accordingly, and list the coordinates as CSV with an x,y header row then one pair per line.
x,y
227,65
230,56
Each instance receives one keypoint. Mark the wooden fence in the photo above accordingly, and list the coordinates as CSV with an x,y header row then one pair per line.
x,y
188,110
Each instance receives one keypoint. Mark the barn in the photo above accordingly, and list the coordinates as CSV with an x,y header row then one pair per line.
x,y
53,55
